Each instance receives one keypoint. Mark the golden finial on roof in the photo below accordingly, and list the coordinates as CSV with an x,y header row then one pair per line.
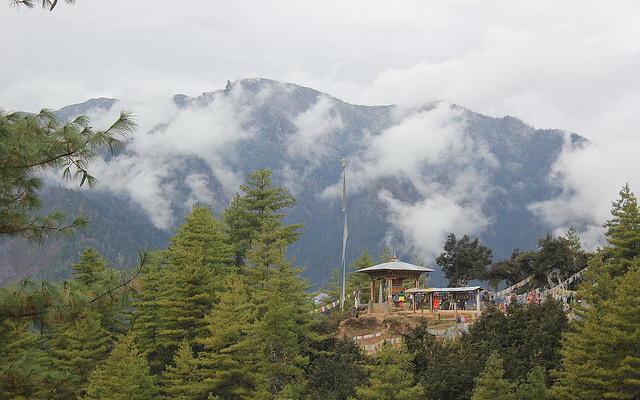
x,y
344,162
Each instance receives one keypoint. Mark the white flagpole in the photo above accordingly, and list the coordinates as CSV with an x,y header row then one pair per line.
x,y
345,233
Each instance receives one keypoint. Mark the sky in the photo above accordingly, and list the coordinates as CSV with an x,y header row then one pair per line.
x,y
571,65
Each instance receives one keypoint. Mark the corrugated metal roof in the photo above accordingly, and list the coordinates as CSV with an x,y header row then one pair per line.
x,y
396,265
444,290
456,289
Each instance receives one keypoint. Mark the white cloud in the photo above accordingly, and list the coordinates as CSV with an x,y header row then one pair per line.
x,y
316,128
426,224
424,147
152,168
590,179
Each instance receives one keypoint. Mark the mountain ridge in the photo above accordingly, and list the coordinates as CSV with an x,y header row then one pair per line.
x,y
413,175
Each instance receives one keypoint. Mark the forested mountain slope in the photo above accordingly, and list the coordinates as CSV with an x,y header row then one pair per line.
x,y
413,176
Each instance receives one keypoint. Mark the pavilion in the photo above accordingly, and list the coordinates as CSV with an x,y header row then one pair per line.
x,y
393,273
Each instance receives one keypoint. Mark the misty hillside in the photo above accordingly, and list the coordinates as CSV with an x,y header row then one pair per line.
x,y
413,176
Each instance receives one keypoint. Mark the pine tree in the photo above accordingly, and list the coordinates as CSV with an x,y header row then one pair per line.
x,y
93,273
535,388
90,267
336,373
77,349
463,260
146,319
491,385
124,376
247,212
178,294
601,353
391,377
229,354
26,370
181,380
204,235
623,232
283,328
35,142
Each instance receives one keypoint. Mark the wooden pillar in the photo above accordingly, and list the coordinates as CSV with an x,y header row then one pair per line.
x,y
478,300
373,290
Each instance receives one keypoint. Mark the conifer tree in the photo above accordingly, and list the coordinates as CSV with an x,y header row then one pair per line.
x,y
623,232
226,361
181,381
535,387
335,374
601,353
179,293
124,376
463,260
92,271
391,377
283,326
201,234
77,349
491,384
31,143
245,215
26,370
90,267
146,319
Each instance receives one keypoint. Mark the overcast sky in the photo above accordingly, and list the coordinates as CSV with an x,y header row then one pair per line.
x,y
572,65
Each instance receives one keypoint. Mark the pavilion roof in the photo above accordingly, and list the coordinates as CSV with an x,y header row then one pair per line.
x,y
396,265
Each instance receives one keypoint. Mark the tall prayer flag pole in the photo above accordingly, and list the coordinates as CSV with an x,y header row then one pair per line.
x,y
345,233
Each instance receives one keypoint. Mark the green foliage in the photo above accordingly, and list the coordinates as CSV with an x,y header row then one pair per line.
x,y
110,305
229,353
601,352
446,370
181,380
43,303
124,376
90,267
390,377
525,337
202,239
29,143
337,372
77,348
555,260
463,260
491,385
535,388
25,366
178,294
623,232
284,323
247,212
